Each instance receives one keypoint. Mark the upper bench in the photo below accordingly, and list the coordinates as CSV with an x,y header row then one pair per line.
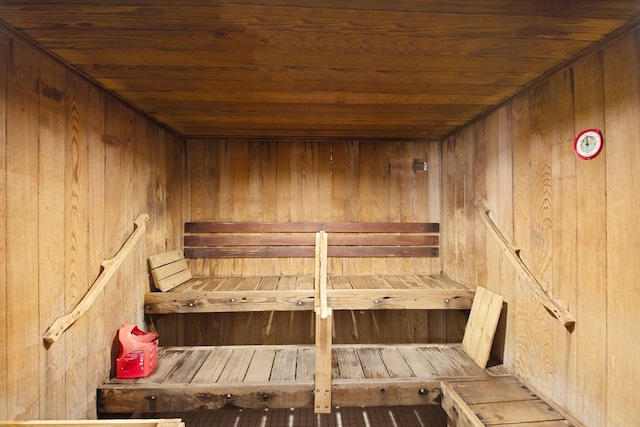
x,y
255,290
297,239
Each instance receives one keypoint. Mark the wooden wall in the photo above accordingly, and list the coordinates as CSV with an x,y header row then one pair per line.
x,y
297,180
76,168
575,221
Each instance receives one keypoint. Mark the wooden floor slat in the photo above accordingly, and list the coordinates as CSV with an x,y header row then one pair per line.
x,y
212,367
275,376
396,364
284,365
348,363
236,368
372,363
259,369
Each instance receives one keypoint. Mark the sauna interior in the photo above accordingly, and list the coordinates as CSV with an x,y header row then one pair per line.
x,y
461,114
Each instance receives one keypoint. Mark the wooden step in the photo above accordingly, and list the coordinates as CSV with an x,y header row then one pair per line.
x,y
498,401
292,293
204,378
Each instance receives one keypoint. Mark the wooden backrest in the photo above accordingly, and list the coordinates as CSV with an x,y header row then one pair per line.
x,y
482,324
297,239
169,269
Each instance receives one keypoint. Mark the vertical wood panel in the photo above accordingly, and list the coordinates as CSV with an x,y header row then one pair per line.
x,y
100,321
622,118
71,169
51,237
290,180
564,260
484,177
591,331
23,343
4,61
575,222
75,243
538,254
505,336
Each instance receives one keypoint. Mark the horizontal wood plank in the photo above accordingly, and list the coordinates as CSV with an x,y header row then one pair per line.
x,y
295,293
233,376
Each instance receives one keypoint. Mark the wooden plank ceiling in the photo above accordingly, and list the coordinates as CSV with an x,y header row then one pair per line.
x,y
334,68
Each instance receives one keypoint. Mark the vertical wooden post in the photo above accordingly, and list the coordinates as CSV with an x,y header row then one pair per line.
x,y
322,401
324,327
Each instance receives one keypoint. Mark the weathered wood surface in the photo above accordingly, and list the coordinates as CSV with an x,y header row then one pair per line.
x,y
481,327
295,239
169,269
498,401
538,192
347,69
66,208
192,378
284,293
555,308
110,267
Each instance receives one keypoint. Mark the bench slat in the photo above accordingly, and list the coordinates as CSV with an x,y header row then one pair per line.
x,y
251,252
260,240
309,240
311,227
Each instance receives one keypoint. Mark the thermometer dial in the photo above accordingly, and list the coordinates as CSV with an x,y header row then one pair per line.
x,y
588,144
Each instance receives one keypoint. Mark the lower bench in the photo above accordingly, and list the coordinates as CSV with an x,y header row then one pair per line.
x,y
207,378
498,401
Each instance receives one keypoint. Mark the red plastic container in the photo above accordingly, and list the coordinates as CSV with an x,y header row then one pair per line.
x,y
138,352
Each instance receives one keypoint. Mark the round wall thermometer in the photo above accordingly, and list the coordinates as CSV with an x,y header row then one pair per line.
x,y
588,144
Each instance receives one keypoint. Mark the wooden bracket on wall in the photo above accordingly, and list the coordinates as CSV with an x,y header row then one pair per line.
x,y
109,267
553,306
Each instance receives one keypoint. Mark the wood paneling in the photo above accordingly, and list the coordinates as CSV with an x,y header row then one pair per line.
x,y
574,222
334,69
4,262
313,181
317,181
70,193
622,156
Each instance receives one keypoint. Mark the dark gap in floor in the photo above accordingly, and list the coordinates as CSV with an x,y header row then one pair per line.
x,y
402,416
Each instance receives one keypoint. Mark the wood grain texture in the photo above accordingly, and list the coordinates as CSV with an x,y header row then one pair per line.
x,y
622,101
570,219
75,241
342,69
4,61
22,347
565,216
99,324
61,202
367,181
591,245
51,197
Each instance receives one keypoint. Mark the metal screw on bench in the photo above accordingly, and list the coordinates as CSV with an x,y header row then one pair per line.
x,y
191,304
300,302
375,301
233,300
422,391
228,395
447,300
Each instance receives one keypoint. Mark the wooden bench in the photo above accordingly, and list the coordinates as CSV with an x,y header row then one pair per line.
x,y
324,375
499,401
288,292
